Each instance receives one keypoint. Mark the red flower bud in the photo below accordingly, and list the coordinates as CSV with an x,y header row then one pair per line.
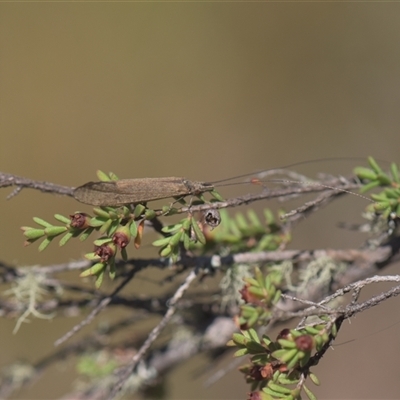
x,y
304,343
122,236
247,296
255,373
283,334
105,251
79,220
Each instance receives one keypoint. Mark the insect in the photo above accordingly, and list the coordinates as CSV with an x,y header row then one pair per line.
x,y
141,190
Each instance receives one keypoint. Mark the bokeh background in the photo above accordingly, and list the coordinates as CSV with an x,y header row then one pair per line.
x,y
205,91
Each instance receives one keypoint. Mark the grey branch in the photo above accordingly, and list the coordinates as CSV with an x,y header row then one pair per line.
x,y
334,187
20,183
125,373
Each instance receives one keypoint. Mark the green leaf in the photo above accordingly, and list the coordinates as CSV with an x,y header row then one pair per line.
x,y
240,352
150,214
284,355
126,211
258,291
186,240
102,176
261,358
138,211
239,339
381,206
234,229
133,229
266,340
278,389
379,196
101,241
252,281
95,222
114,226
66,238
286,381
45,243
247,311
175,239
277,297
101,212
269,216
253,335
166,251
62,219
392,193
241,221
216,195
384,179
113,176
171,228
41,222
85,234
113,214
294,361
253,319
168,210
312,330
199,234
33,233
92,256
112,269
365,173
93,270
309,393
395,172
296,333
99,279
161,242
106,226
275,395
174,253
255,348
369,186
52,231
287,344
253,217
374,165
186,223
314,379
124,254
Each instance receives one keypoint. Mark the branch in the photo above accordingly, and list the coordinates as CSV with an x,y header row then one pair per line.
x,y
334,186
125,373
25,183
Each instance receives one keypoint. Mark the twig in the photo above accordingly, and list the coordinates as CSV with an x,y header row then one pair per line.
x,y
125,373
53,269
340,186
339,189
102,304
22,183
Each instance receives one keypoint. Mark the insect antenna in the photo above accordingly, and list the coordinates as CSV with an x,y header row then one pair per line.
x,y
296,164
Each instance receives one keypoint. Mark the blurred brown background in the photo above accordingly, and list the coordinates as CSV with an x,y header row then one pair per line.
x,y
206,91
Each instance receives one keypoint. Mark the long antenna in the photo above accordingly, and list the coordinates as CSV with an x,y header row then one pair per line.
x,y
317,160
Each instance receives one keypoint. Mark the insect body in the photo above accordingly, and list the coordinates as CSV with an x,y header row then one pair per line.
x,y
128,191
